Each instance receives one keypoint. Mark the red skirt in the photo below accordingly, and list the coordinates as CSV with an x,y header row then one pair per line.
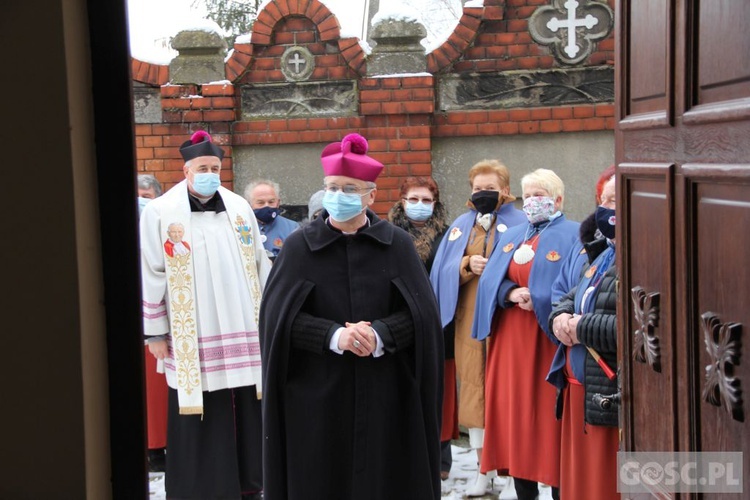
x,y
156,404
521,435
588,453
449,428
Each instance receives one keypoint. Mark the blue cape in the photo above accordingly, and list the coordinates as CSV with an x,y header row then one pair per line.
x,y
445,272
554,246
280,228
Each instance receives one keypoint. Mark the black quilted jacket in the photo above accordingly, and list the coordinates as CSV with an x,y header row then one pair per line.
x,y
599,331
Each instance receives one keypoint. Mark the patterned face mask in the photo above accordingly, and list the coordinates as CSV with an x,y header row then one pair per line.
x,y
538,208
605,221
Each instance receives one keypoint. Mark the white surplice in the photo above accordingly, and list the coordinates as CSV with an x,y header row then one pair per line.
x,y
226,295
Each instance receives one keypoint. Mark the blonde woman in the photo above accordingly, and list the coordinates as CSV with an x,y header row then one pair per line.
x,y
522,435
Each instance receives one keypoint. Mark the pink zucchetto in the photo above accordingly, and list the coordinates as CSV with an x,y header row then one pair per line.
x,y
349,158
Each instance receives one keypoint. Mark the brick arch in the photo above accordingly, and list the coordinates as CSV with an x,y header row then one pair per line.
x,y
463,36
278,10
152,74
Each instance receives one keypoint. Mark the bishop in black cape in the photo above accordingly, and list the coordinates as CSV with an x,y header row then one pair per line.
x,y
342,426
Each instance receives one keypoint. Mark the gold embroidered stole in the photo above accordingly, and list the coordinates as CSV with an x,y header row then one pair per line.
x,y
178,263
246,241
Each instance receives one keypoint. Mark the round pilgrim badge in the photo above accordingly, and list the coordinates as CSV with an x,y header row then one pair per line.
x,y
263,238
501,228
553,256
507,248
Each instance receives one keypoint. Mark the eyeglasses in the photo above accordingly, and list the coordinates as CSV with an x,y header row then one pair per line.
x,y
347,189
426,201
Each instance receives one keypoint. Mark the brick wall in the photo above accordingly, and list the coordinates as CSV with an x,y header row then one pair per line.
x,y
397,114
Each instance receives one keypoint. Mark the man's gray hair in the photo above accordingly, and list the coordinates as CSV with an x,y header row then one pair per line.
x,y
147,181
249,189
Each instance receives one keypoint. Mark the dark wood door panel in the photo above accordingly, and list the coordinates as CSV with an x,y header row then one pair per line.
x,y
646,298
718,224
723,71
683,155
646,65
719,83
717,143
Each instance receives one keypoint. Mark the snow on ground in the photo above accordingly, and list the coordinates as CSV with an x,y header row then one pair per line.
x,y
463,473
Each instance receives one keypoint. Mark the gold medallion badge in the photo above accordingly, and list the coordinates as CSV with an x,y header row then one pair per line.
x,y
507,248
553,256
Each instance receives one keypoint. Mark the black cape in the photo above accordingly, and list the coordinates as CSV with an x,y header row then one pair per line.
x,y
341,426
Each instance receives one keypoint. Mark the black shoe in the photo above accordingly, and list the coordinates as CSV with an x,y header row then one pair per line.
x,y
157,460
253,496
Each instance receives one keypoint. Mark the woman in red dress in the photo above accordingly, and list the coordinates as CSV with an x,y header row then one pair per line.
x,y
522,435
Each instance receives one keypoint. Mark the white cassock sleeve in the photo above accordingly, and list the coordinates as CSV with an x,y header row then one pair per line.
x,y
153,274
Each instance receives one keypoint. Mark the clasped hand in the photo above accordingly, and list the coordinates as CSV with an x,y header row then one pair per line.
x,y
564,327
522,297
358,338
477,264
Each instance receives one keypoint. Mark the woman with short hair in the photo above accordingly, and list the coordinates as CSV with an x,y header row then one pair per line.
x,y
522,435
459,263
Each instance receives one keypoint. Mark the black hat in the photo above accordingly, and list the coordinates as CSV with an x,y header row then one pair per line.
x,y
200,145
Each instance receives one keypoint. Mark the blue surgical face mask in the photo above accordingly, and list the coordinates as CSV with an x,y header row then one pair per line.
x,y
142,202
266,214
605,221
341,206
418,211
206,184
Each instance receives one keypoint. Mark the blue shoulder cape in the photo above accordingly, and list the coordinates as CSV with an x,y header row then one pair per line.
x,y
445,273
554,246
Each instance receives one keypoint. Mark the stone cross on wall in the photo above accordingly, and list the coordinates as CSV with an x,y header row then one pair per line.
x,y
297,64
570,28
296,61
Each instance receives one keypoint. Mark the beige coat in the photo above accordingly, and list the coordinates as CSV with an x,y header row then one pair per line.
x,y
470,353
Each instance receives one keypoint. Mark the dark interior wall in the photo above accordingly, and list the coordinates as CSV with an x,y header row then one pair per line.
x,y
71,301
41,423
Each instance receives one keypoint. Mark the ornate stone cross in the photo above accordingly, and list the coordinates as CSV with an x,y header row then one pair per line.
x,y
570,27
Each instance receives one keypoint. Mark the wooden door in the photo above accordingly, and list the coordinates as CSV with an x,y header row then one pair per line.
x,y
683,182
